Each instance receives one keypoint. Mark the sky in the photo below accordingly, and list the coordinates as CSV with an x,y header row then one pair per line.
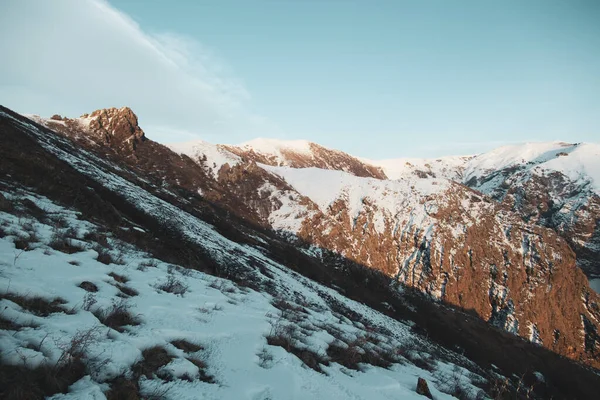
x,y
378,79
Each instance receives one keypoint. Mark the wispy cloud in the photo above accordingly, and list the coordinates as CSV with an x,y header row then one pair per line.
x,y
72,57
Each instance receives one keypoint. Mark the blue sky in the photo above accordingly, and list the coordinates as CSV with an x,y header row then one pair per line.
x,y
378,79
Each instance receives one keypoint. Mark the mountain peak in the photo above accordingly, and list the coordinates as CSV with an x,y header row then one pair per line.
x,y
117,126
302,154
274,146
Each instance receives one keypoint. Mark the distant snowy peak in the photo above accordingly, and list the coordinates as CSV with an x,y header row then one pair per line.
x,y
303,154
555,184
579,162
451,167
277,147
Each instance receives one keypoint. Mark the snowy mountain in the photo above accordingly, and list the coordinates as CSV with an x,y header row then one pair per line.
x,y
445,167
303,154
556,185
293,270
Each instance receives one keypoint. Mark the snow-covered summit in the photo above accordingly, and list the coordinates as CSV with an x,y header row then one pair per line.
x,y
449,167
580,162
276,146
303,154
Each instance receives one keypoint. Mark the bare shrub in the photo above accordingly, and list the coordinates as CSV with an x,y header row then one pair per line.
x,y
453,384
123,388
89,300
119,278
265,359
172,285
60,241
126,291
422,360
286,337
26,243
346,355
203,375
78,348
104,256
147,264
88,286
153,359
117,316
222,286
358,351
74,362
289,311
100,238
186,346
37,305
20,382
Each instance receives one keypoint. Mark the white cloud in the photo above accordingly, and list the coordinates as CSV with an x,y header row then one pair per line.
x,y
74,56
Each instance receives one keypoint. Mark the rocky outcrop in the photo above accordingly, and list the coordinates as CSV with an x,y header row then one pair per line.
x,y
113,128
117,128
423,388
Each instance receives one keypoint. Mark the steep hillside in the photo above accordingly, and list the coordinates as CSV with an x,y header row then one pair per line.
x,y
429,233
556,185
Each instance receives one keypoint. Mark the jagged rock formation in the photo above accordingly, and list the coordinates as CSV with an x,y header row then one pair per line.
x,y
118,128
454,243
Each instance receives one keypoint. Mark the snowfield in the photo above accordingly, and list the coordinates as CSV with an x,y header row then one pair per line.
x,y
392,198
580,162
450,167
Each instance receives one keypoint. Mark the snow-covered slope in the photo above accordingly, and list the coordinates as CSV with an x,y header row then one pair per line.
x,y
551,184
580,162
451,167
303,154
215,156
389,198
